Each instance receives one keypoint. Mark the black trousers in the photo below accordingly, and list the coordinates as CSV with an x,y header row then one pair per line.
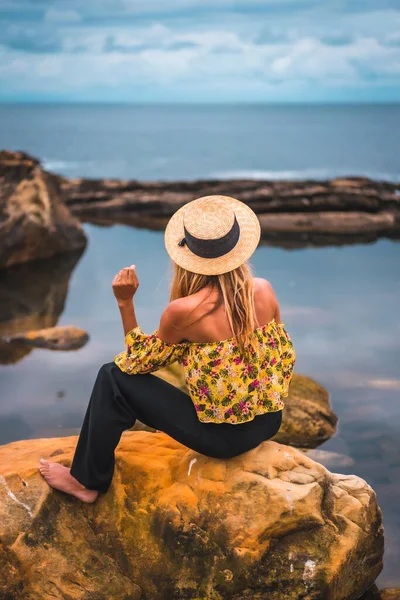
x,y
119,399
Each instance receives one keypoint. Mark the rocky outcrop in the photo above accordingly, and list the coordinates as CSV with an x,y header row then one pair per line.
x,y
308,419
67,337
32,297
34,221
270,523
292,213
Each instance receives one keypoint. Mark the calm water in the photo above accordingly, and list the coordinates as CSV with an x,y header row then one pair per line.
x,y
339,304
187,142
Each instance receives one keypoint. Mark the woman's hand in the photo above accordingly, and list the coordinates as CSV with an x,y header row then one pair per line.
x,y
125,284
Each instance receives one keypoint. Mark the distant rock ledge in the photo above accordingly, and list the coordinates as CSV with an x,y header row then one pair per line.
x,y
292,213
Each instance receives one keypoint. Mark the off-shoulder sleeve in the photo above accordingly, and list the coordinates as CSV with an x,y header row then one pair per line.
x,y
147,353
288,359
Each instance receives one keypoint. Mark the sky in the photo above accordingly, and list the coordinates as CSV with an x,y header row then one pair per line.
x,y
203,51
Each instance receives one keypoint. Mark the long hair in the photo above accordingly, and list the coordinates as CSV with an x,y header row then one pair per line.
x,y
235,293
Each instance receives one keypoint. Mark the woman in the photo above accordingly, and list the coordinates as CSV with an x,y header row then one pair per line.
x,y
223,326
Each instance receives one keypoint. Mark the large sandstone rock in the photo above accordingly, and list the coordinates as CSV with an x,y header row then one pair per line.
x,y
32,297
269,524
34,221
308,419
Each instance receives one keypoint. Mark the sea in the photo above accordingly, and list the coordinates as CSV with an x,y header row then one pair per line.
x,y
339,303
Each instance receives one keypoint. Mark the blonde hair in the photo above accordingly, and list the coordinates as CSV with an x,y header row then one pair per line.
x,y
236,294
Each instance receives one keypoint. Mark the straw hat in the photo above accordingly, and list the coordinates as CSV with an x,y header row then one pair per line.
x,y
212,235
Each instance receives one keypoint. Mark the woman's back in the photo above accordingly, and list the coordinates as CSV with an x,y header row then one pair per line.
x,y
227,383
201,317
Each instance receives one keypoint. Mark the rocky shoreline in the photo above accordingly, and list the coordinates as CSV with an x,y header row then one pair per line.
x,y
292,214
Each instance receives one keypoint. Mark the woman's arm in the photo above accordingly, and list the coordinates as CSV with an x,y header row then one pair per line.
x,y
125,285
143,353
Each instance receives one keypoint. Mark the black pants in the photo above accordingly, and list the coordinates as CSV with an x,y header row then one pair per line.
x,y
119,399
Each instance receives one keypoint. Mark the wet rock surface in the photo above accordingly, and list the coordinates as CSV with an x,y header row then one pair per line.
x,y
34,221
63,338
270,523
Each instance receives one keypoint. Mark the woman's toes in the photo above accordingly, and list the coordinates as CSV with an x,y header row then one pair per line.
x,y
44,470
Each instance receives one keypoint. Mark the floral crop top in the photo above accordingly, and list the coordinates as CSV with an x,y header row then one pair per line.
x,y
223,385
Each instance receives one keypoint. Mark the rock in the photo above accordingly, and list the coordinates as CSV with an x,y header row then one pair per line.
x,y
390,594
270,523
292,213
67,337
34,221
375,594
32,296
308,419
294,230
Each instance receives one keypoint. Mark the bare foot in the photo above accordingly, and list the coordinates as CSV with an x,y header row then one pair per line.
x,y
60,478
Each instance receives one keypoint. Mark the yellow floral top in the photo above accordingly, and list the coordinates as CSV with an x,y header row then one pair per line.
x,y
224,386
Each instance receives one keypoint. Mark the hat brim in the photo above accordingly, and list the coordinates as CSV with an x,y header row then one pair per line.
x,y
250,232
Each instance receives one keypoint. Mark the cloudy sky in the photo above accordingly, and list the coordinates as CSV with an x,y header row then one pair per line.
x,y
200,50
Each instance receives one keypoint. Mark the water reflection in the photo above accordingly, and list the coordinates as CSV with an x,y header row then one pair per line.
x,y
14,428
32,297
340,306
288,240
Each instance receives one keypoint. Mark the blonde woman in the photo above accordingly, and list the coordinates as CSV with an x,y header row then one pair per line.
x,y
222,325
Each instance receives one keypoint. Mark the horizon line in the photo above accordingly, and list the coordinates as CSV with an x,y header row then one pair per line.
x,y
205,103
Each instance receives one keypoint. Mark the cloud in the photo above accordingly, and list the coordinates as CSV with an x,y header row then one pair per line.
x,y
393,38
67,51
56,15
28,38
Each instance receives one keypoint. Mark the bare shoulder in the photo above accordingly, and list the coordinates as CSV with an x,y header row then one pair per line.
x,y
263,287
174,317
265,300
177,311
